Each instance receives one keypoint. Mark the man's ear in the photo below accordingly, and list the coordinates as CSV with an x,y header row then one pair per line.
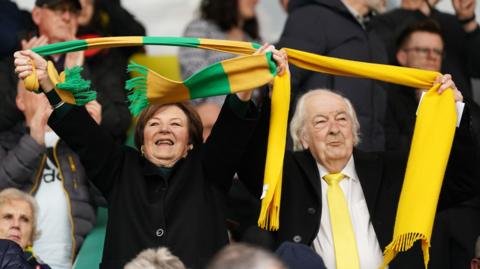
x,y
303,140
36,15
402,57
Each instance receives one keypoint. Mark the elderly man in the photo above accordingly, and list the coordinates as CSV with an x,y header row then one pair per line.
x,y
367,186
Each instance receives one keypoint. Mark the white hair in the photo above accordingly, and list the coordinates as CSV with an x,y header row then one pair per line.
x,y
297,125
11,194
160,258
244,256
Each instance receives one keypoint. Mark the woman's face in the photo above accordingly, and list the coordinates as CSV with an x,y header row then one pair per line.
x,y
247,8
165,136
16,222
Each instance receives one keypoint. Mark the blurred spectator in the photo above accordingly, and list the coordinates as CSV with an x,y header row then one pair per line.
x,y
18,218
219,19
14,24
33,159
160,258
243,256
56,21
103,18
339,28
460,33
420,45
475,264
299,256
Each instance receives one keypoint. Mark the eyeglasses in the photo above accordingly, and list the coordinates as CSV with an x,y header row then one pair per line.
x,y
425,51
59,10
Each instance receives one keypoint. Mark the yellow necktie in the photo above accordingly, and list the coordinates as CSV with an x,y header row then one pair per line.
x,y
344,242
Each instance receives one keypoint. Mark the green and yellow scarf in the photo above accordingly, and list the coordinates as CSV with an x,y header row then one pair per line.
x,y
431,143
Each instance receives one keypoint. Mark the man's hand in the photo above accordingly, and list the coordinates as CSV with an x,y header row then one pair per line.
x,y
95,110
447,82
34,42
465,9
38,123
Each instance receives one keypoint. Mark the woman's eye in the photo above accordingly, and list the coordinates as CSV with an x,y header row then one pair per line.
x,y
176,124
153,124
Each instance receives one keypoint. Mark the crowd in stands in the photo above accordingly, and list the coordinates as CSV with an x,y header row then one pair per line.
x,y
187,193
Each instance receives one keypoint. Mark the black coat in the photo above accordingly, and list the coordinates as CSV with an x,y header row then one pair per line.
x,y
462,58
327,27
184,211
13,257
381,176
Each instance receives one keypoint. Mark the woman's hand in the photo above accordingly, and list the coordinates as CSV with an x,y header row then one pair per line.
x,y
280,58
447,82
24,62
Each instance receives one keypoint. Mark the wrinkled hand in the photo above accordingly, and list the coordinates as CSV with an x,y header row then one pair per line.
x,y
24,60
34,42
464,9
95,110
447,82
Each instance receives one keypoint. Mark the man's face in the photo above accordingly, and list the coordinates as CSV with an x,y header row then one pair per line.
x,y
58,22
422,50
328,131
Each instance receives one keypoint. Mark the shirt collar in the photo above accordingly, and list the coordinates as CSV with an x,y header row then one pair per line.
x,y
348,170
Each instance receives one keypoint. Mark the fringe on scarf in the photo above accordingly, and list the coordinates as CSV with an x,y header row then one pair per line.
x,y
403,243
79,87
137,88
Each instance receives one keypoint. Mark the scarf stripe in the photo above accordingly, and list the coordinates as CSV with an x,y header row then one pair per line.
x,y
431,143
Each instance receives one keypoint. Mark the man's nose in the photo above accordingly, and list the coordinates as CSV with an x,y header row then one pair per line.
x,y
333,127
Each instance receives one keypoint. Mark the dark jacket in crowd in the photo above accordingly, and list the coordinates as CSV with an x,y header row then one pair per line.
x,y
184,210
13,257
22,161
381,176
462,57
8,90
327,27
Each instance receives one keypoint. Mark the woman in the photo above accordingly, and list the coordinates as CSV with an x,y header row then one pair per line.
x,y
18,219
219,19
172,192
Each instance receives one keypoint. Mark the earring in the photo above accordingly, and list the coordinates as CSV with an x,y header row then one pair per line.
x,y
190,147
142,151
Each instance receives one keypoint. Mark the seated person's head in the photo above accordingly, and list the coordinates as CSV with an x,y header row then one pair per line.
x,y
155,259
56,19
325,123
421,46
243,256
18,217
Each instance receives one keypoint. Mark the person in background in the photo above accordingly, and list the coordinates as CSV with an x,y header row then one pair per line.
x,y
18,218
173,191
244,256
339,28
38,162
421,45
107,66
460,33
219,19
160,258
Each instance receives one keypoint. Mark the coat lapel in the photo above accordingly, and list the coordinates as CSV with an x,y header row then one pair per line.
x,y
369,171
309,166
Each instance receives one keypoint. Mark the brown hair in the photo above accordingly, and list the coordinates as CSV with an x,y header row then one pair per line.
x,y
195,128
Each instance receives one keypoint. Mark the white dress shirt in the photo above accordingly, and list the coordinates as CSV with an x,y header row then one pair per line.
x,y
367,244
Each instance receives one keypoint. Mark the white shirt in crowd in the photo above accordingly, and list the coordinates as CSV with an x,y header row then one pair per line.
x,y
54,246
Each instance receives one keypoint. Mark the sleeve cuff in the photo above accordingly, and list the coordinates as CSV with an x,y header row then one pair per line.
x,y
239,107
59,107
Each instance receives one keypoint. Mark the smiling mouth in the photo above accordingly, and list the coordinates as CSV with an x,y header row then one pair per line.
x,y
15,238
167,142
